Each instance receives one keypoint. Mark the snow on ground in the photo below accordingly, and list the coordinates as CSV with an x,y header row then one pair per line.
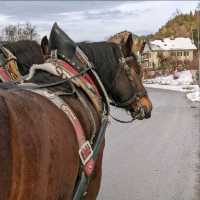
x,y
194,96
182,83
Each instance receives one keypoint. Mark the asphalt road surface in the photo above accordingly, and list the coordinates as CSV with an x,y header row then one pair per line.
x,y
154,159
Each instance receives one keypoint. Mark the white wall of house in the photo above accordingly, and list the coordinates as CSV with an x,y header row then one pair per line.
x,y
152,59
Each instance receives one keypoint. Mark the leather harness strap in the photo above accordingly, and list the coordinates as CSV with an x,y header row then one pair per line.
x,y
85,149
4,75
83,101
10,66
64,70
85,83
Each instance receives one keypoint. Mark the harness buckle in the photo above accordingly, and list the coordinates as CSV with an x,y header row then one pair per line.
x,y
85,152
122,60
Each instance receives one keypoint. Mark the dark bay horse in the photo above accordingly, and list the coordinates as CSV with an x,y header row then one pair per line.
x,y
27,53
16,58
38,148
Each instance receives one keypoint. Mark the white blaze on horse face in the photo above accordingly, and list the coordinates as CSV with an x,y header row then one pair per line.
x,y
146,104
142,108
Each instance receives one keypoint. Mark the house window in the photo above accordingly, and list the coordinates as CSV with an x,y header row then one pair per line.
x,y
146,64
186,53
145,56
179,53
173,53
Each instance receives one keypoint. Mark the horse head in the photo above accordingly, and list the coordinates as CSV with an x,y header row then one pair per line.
x,y
123,84
141,101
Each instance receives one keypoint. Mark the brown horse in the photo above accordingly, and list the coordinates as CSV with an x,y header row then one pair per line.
x,y
38,148
29,52
16,58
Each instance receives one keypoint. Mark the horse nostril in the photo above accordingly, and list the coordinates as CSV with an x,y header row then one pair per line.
x,y
147,113
143,112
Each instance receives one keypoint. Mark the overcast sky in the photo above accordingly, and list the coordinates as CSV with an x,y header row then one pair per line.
x,y
93,20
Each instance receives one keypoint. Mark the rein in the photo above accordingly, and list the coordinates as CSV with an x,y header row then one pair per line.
x,y
122,121
55,83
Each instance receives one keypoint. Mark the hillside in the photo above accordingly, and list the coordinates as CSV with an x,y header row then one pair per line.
x,y
181,25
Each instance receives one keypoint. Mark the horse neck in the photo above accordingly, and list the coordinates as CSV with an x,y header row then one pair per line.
x,y
105,57
104,60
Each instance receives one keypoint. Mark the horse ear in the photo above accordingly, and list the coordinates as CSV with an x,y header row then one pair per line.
x,y
142,46
129,45
44,45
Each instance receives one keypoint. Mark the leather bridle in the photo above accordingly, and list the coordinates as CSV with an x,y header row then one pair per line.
x,y
124,66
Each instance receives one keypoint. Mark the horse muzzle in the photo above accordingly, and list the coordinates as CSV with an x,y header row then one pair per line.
x,y
142,109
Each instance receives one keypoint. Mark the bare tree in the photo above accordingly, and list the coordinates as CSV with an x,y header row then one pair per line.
x,y
19,32
30,31
10,32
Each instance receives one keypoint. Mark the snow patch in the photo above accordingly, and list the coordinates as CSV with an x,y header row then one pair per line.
x,y
182,83
174,44
194,96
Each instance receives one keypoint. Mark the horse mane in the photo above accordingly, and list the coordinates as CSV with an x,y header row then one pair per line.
x,y
27,52
103,54
105,57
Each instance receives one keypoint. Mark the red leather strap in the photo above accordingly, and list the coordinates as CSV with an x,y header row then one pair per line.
x,y
4,75
85,78
80,136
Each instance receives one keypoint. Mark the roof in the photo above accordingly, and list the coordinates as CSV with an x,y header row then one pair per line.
x,y
179,43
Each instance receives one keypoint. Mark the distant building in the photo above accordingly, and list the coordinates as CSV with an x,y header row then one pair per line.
x,y
180,48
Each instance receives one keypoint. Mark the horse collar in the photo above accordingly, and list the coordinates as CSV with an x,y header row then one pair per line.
x,y
10,66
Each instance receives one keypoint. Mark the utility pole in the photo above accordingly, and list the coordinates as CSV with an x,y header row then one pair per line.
x,y
198,44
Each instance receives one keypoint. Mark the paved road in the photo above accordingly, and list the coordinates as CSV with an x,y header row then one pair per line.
x,y
154,159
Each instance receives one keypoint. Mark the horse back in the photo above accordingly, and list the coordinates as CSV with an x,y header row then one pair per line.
x,y
5,151
38,149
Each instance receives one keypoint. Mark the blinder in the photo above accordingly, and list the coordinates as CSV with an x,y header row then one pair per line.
x,y
9,62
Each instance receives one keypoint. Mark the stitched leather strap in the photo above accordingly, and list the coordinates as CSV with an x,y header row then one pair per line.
x,y
88,162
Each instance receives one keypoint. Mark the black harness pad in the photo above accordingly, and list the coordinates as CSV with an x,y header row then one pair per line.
x,y
60,41
66,47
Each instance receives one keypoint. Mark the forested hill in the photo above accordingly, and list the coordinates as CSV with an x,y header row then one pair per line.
x,y
181,25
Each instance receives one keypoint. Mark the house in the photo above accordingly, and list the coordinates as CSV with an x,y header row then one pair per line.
x,y
180,49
